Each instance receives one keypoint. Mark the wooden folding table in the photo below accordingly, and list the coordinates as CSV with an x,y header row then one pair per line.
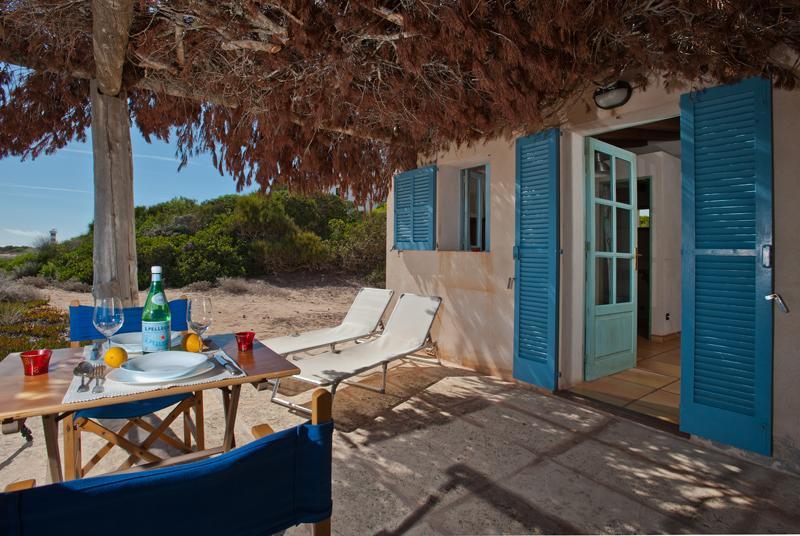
x,y
22,397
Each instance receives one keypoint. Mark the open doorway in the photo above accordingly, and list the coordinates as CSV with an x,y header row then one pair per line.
x,y
633,225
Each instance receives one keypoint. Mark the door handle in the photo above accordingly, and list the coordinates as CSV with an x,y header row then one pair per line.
x,y
766,256
778,301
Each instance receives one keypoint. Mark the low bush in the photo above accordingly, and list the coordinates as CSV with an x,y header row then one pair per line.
x,y
199,286
34,281
30,325
13,291
73,285
233,285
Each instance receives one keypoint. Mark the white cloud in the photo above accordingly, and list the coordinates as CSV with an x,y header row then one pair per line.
x,y
135,155
47,188
23,232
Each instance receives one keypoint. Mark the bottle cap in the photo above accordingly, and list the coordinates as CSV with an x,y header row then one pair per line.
x,y
156,269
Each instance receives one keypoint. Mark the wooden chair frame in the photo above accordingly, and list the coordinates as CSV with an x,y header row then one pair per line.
x,y
73,427
321,412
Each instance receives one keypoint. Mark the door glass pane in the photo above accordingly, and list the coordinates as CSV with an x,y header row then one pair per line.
x,y
603,228
623,230
622,179
602,278
624,280
602,175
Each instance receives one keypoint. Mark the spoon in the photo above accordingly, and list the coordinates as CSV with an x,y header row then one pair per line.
x,y
83,370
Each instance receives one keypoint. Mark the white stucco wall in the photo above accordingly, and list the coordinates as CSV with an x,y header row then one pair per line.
x,y
665,240
786,350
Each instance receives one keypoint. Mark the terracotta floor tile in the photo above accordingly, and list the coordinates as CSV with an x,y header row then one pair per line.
x,y
644,377
666,369
612,391
660,404
673,357
674,387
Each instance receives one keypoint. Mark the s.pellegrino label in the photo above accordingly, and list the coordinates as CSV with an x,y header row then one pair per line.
x,y
156,318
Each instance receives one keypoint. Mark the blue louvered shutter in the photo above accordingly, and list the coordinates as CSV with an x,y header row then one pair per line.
x,y
726,348
536,266
415,209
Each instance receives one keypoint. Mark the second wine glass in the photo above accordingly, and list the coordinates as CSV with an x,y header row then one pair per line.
x,y
198,314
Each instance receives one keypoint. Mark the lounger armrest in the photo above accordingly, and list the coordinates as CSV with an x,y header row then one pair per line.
x,y
22,484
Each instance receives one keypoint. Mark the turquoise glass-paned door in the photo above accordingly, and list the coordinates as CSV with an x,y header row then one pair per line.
x,y
610,260
726,341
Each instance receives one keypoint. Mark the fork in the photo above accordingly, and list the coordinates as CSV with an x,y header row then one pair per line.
x,y
99,375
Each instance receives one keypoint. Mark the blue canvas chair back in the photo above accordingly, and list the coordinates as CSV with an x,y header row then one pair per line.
x,y
82,329
264,487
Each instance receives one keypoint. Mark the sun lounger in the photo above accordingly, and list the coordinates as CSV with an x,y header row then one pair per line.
x,y
361,321
406,332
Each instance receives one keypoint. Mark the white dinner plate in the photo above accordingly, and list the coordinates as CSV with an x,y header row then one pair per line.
x,y
132,342
161,367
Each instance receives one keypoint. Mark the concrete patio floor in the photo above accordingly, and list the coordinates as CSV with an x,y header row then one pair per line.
x,y
448,451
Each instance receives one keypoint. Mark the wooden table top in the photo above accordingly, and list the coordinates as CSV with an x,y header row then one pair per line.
x,y
32,396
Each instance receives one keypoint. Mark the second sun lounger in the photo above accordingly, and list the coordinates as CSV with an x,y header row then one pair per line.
x,y
361,321
406,332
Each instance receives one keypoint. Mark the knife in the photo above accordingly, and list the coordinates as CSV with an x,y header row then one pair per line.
x,y
227,364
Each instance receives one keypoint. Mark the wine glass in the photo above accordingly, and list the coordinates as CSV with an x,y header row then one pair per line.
x,y
108,316
198,314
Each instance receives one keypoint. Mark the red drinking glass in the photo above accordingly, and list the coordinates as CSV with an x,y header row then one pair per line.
x,y
244,340
36,362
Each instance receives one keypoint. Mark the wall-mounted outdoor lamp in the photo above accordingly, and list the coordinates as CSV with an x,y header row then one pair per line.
x,y
613,95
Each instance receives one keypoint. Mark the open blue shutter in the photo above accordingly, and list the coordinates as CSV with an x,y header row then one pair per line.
x,y
726,349
536,266
415,209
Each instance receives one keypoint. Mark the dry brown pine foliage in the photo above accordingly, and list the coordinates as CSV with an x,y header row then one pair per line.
x,y
315,94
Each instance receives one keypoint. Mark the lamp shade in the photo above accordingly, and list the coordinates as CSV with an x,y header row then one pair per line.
x,y
613,95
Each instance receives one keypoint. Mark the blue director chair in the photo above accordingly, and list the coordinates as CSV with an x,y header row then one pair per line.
x,y
269,485
81,330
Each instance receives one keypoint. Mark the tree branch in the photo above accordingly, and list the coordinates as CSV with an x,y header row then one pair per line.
x,y
249,44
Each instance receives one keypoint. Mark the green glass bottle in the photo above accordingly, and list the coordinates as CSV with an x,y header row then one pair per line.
x,y
156,317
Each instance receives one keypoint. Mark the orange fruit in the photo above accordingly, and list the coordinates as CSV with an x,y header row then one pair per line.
x,y
115,356
192,343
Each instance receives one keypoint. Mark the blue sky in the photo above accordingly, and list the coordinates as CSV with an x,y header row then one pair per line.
x,y
56,191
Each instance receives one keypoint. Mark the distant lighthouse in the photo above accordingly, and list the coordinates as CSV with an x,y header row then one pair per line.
x,y
53,239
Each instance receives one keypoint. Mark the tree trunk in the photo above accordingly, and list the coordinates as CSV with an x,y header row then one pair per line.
x,y
114,231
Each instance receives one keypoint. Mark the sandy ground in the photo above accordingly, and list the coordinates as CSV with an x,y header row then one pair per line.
x,y
277,307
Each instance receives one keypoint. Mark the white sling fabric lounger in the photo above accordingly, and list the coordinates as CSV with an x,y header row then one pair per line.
x,y
406,332
362,320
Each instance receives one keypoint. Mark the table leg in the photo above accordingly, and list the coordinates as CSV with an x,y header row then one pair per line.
x,y
230,417
199,422
50,425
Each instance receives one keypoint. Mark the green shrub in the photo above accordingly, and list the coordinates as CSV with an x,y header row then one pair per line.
x,y
161,251
211,253
360,246
75,263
